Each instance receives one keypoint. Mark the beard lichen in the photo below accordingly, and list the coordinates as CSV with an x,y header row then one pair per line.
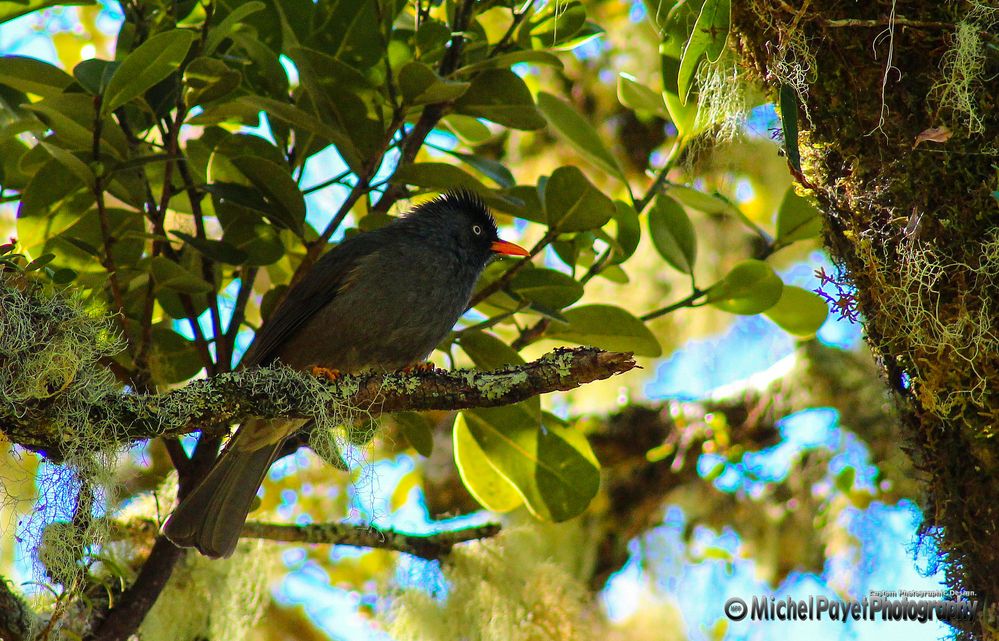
x,y
948,331
523,585
50,344
963,69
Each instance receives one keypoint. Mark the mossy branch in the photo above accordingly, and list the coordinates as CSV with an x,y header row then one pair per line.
x,y
428,546
280,392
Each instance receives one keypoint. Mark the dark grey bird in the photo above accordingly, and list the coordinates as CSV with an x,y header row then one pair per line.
x,y
379,300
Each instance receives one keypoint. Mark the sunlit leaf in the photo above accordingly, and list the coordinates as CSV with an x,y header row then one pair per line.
x,y
572,203
578,132
501,96
547,287
750,288
707,38
637,96
487,351
31,75
490,488
797,218
148,64
421,85
673,234
607,327
799,311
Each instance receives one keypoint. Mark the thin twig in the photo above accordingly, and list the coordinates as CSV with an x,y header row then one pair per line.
x,y
426,546
689,301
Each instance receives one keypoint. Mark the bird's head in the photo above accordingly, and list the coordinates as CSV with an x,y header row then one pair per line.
x,y
462,218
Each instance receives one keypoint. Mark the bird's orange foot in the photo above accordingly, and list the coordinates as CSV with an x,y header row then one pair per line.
x,y
328,374
420,368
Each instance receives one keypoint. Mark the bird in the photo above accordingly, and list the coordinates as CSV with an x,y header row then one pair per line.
x,y
380,300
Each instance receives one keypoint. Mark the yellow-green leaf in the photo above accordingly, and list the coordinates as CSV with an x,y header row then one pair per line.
x,y
579,133
151,62
750,288
799,311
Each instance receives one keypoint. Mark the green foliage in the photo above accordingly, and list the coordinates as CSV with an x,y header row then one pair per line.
x,y
173,179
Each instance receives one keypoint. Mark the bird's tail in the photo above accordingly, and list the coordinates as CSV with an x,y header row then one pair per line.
x,y
212,516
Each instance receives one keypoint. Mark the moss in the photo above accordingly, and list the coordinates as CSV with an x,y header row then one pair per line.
x,y
914,228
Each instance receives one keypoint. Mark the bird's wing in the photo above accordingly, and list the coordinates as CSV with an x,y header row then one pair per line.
x,y
328,277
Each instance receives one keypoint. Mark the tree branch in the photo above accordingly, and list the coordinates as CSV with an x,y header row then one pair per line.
x,y
429,546
280,392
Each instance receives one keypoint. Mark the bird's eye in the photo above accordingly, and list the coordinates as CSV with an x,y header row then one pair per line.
x,y
477,230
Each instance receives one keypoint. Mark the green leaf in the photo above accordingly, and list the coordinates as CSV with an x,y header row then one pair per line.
x,y
558,26
94,74
638,97
148,64
439,176
72,163
301,119
39,262
629,231
17,8
707,38
799,311
750,288
673,234
484,482
209,79
572,203
697,199
506,60
606,327
487,351
579,133
420,85
278,188
501,96
218,250
246,231
468,129
71,116
170,275
682,113
32,76
172,358
221,31
789,124
487,166
797,218
418,429
589,31
547,287
63,276
556,474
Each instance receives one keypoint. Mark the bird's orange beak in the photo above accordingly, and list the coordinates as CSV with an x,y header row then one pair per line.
x,y
508,249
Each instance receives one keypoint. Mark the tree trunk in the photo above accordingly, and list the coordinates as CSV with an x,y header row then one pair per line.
x,y
914,224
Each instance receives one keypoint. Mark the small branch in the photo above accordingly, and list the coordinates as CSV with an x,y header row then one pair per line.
x,y
102,216
123,620
432,547
686,302
281,392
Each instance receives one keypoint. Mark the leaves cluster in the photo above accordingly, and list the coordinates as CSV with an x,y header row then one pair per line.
x,y
173,183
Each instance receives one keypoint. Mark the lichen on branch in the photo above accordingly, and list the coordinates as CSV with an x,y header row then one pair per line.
x,y
280,392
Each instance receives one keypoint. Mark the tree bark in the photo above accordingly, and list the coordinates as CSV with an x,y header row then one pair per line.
x,y
898,144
